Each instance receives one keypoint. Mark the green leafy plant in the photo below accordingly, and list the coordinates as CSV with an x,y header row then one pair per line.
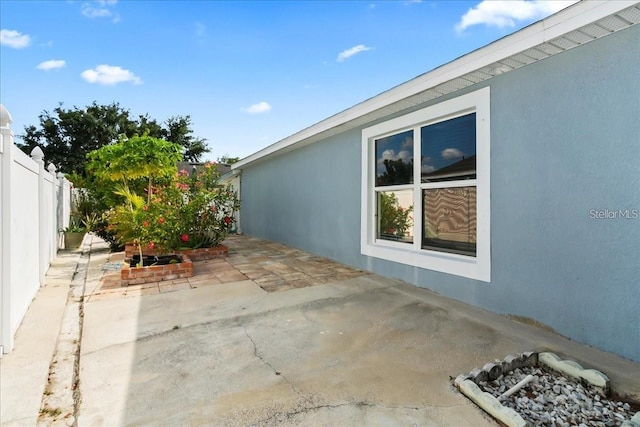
x,y
91,220
140,157
188,211
394,219
179,210
76,225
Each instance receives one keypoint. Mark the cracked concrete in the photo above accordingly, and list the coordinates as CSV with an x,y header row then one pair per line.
x,y
278,373
358,351
314,355
364,351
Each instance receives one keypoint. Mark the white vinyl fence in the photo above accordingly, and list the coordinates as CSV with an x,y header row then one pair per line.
x,y
34,206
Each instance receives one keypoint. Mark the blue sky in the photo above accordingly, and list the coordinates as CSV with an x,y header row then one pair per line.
x,y
248,73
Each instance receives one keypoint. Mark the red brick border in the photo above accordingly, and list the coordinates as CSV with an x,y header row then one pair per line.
x,y
156,273
199,254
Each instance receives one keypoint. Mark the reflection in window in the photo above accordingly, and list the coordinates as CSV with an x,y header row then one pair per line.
x,y
450,220
449,149
394,159
395,215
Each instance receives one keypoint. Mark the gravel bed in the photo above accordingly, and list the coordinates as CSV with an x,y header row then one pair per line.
x,y
551,399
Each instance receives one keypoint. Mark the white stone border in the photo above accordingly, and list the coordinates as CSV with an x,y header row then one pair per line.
x,y
576,371
468,383
490,404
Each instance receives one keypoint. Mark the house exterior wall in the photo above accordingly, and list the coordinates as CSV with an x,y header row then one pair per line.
x,y
564,150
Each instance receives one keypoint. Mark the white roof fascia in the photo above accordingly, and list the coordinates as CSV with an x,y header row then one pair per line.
x,y
567,20
229,175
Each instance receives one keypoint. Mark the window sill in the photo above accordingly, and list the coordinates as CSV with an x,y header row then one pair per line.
x,y
475,268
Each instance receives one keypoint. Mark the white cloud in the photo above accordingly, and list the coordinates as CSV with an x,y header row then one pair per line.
x,y
259,108
390,154
109,75
51,64
346,54
404,155
501,13
428,168
14,39
451,153
101,11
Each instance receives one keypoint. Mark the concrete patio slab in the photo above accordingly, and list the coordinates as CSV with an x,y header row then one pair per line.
x,y
361,350
355,349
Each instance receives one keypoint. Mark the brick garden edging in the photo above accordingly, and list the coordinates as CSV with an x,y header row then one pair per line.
x,y
156,273
199,254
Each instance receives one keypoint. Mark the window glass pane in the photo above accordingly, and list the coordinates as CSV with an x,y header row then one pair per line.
x,y
449,149
395,215
450,220
394,159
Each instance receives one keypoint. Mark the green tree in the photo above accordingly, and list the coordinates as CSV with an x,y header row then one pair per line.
x,y
66,136
396,172
124,169
140,157
394,219
227,160
178,130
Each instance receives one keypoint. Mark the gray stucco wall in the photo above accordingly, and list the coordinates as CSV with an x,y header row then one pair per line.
x,y
565,140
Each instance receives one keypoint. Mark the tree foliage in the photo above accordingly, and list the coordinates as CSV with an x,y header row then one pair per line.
x,y
66,136
227,160
396,172
179,131
394,219
133,158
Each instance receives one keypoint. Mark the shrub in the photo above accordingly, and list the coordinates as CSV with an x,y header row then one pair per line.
x,y
188,211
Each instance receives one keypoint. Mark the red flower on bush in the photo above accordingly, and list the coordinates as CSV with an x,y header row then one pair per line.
x,y
151,245
185,210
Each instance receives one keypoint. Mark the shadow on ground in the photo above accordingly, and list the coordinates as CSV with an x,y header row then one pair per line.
x,y
350,349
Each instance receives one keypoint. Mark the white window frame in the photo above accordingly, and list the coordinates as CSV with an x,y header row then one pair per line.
x,y
474,267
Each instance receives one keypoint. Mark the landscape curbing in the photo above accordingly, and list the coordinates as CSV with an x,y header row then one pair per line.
x,y
490,404
468,383
633,422
576,371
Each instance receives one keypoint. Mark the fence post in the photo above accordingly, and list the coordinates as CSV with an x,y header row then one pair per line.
x,y
53,220
38,156
60,212
6,162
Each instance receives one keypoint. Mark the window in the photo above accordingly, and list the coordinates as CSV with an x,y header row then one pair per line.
x,y
425,188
